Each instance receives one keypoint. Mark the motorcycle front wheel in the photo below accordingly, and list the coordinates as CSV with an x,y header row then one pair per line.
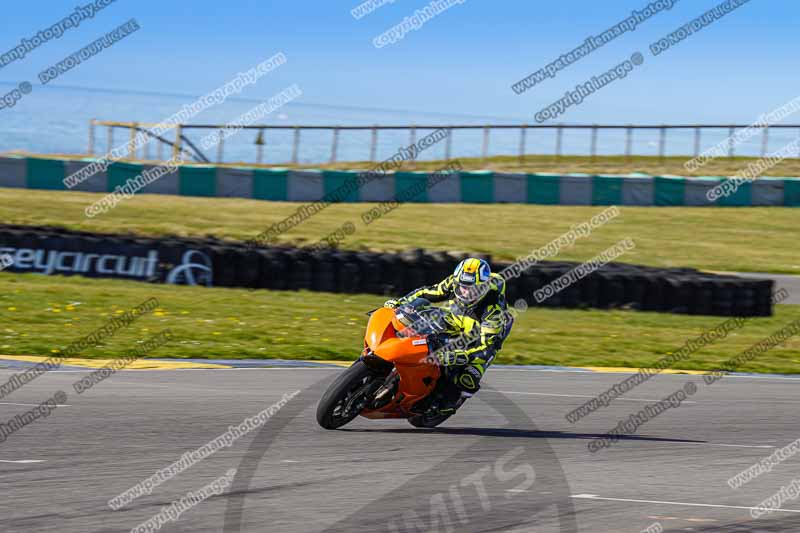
x,y
335,408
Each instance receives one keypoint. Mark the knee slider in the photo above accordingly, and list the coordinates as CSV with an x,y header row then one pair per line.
x,y
469,380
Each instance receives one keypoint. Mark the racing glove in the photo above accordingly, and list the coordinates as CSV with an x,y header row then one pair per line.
x,y
451,357
391,304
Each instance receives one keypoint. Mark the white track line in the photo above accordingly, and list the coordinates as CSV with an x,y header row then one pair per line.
x,y
641,439
760,446
600,373
139,371
582,396
685,504
35,404
334,367
23,461
739,445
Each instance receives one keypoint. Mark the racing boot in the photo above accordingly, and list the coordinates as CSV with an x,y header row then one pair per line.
x,y
451,400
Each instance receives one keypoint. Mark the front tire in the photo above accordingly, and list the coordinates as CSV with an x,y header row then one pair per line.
x,y
331,410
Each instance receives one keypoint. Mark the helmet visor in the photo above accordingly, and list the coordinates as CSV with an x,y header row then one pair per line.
x,y
467,293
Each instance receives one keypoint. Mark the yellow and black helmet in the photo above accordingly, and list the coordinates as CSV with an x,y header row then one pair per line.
x,y
469,275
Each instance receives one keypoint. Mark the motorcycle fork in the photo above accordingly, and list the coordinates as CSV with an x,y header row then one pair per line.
x,y
362,397
387,388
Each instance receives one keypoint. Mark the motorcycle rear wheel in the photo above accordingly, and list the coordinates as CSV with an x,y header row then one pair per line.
x,y
428,421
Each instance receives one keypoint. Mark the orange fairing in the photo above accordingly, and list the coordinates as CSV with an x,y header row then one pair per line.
x,y
418,374
379,328
382,339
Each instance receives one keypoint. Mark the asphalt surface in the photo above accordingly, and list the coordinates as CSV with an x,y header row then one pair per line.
x,y
782,281
508,461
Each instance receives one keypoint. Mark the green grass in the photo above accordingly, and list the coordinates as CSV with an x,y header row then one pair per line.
x,y
732,239
36,318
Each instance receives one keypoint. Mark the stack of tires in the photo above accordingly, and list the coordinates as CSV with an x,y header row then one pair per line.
x,y
624,286
235,264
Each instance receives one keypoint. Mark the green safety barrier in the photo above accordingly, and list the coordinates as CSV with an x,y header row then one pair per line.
x,y
275,184
411,187
544,189
197,181
606,190
119,173
45,174
669,191
338,185
743,197
270,184
791,192
477,187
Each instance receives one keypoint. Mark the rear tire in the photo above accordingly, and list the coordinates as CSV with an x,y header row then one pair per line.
x,y
332,403
423,421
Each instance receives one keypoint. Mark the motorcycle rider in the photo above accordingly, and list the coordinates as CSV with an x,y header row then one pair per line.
x,y
477,299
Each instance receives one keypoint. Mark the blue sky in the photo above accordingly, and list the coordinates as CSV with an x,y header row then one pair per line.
x,y
463,61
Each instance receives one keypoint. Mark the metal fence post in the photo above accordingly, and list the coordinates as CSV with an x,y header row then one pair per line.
x,y
448,144
413,141
628,143
696,142
662,140
176,146
132,141
594,142
220,145
730,142
335,144
373,144
110,138
296,145
260,146
522,133
559,134
146,154
765,142
485,150
91,137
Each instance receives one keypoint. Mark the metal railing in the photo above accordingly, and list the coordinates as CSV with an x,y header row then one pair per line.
x,y
182,144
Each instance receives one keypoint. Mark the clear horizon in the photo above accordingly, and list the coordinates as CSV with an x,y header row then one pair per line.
x,y
461,61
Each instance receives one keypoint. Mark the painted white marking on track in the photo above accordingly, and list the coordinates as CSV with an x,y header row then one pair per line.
x,y
334,367
742,445
760,446
142,371
600,373
684,504
35,404
23,461
583,396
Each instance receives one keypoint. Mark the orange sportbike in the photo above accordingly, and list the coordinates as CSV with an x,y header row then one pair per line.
x,y
396,376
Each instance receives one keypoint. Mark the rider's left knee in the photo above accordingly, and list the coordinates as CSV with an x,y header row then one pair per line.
x,y
469,379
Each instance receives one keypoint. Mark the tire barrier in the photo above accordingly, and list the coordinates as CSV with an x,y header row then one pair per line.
x,y
220,263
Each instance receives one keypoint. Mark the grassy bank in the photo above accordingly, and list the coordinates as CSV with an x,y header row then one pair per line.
x,y
743,239
39,315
